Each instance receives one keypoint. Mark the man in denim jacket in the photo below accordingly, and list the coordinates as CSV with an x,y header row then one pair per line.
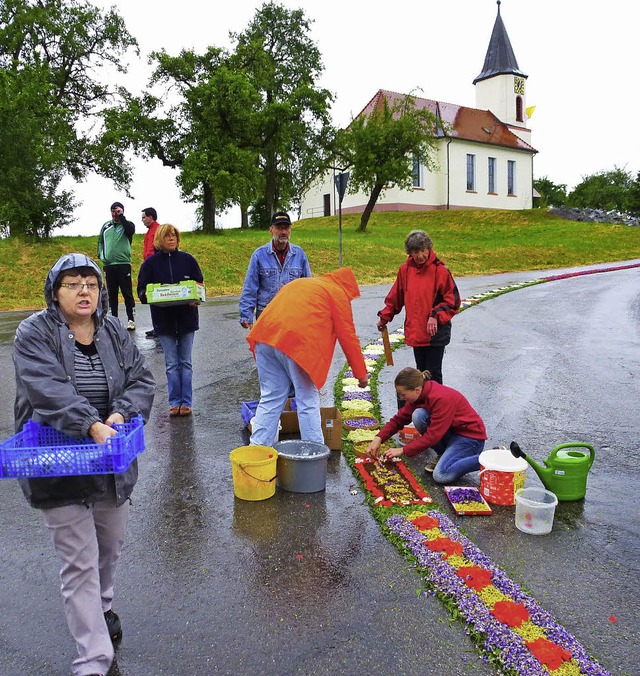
x,y
270,268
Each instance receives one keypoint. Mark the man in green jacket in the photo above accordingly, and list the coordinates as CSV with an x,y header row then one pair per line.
x,y
114,250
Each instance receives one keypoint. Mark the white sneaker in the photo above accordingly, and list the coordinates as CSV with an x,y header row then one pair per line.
x,y
430,466
131,325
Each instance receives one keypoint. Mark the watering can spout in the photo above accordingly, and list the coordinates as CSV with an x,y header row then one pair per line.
x,y
543,472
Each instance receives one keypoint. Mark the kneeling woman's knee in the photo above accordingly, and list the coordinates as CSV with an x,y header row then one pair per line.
x,y
420,420
442,477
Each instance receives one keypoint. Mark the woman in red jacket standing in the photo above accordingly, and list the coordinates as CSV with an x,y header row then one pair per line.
x,y
445,419
425,288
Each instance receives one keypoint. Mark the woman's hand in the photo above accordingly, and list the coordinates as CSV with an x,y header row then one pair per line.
x,y
391,453
100,432
373,447
363,382
114,419
381,324
432,326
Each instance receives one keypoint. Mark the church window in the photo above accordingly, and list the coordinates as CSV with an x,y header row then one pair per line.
x,y
511,177
519,116
471,172
491,169
417,172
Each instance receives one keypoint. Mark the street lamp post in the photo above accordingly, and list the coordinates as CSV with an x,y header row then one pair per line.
x,y
341,181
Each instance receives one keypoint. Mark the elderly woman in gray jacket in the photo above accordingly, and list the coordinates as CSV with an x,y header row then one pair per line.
x,y
78,370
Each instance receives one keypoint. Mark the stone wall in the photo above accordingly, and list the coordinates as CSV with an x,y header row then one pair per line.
x,y
595,216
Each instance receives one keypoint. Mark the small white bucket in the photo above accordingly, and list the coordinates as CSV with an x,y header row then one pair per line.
x,y
535,508
250,428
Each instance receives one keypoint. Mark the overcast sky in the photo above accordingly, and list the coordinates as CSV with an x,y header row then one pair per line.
x,y
581,59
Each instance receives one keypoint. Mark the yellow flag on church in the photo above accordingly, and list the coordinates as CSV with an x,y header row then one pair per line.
x,y
530,110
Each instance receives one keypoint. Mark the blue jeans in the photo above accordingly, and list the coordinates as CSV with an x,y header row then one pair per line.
x,y
458,454
277,373
177,359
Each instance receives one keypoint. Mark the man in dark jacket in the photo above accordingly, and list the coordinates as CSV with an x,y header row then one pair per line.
x,y
114,250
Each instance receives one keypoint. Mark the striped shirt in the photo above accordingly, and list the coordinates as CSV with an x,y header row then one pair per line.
x,y
91,379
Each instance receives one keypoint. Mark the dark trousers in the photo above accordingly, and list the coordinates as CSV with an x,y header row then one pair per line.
x,y
119,279
429,358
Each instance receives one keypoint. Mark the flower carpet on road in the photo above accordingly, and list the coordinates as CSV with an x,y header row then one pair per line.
x,y
391,483
509,628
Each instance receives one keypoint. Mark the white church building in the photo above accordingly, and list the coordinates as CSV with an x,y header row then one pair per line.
x,y
484,157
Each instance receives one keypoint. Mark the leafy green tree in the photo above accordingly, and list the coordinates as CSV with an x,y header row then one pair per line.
x,y
50,95
241,127
205,132
551,194
30,201
292,126
606,190
380,148
634,197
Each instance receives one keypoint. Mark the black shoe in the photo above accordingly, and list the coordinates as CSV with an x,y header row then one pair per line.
x,y
113,625
150,334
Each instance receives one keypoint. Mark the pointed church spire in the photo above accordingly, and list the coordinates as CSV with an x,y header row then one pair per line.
x,y
500,58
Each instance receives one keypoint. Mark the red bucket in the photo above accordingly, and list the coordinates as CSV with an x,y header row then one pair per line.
x,y
501,475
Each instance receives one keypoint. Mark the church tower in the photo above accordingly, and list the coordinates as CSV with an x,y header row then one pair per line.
x,y
501,86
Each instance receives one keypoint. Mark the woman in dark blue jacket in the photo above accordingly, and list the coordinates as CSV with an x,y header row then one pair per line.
x,y
174,325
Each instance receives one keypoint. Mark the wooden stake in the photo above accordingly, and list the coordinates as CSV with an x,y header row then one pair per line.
x,y
387,346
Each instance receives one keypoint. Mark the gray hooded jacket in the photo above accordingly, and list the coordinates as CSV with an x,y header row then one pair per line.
x,y
45,388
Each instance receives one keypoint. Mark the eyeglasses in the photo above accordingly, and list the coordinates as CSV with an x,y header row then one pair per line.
x,y
78,286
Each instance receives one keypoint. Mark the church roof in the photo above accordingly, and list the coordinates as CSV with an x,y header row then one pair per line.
x,y
500,59
453,121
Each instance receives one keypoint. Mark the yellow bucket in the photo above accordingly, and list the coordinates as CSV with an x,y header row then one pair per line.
x,y
254,472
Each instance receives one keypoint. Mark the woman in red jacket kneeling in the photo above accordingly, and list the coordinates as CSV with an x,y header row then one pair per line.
x,y
445,419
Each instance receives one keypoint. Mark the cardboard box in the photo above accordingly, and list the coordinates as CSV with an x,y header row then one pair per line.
x,y
289,420
330,417
181,293
332,427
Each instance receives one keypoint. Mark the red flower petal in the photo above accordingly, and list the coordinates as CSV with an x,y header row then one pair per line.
x,y
548,653
510,613
476,577
612,618
445,545
425,522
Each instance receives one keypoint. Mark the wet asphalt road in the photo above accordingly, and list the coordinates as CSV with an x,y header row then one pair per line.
x,y
306,584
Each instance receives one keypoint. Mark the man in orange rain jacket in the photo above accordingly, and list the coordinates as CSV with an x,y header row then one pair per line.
x,y
293,343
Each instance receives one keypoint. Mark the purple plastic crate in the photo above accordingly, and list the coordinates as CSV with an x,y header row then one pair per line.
x,y
248,411
43,451
249,408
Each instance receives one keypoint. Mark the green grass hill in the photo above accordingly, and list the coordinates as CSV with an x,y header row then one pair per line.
x,y
469,242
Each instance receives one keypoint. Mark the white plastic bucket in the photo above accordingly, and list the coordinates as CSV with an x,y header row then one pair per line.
x,y
535,508
501,475
250,428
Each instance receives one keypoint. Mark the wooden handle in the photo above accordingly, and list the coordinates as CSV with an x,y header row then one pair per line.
x,y
387,346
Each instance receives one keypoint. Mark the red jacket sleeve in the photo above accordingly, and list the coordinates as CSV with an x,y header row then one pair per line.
x,y
394,302
397,422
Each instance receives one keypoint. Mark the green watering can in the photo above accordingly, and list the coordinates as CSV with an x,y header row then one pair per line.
x,y
565,471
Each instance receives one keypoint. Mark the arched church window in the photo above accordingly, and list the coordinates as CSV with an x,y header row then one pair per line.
x,y
519,117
